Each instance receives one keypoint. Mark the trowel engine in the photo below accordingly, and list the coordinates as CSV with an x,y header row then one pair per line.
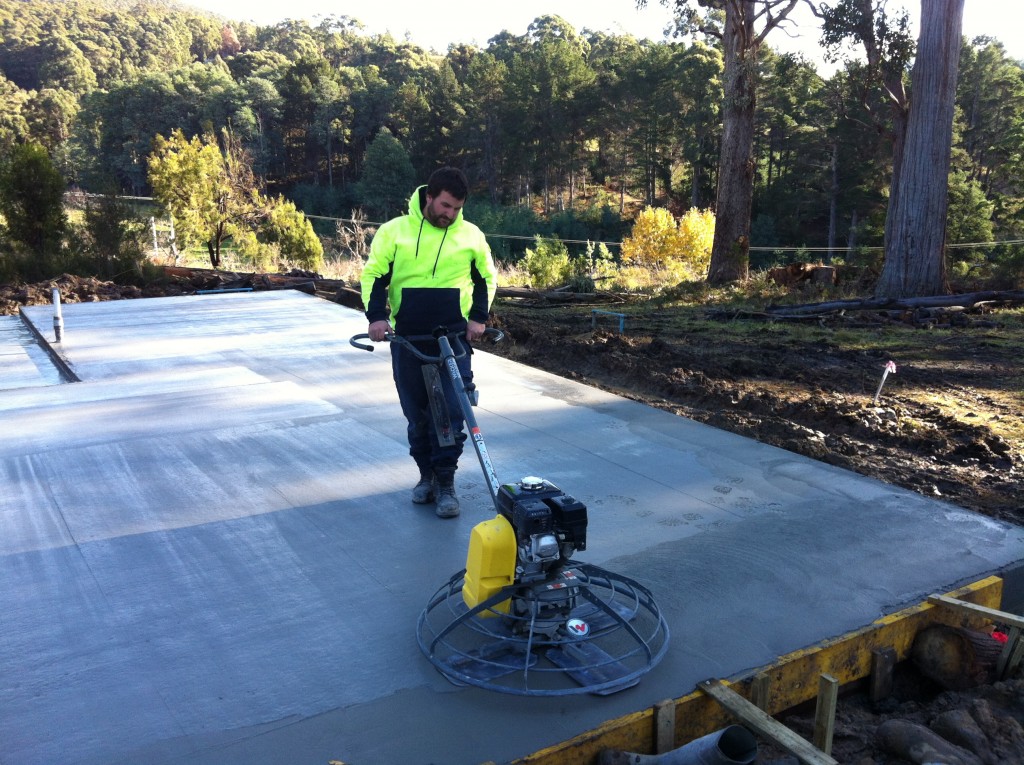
x,y
529,543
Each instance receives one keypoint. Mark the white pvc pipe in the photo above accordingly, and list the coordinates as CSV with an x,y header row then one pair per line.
x,y
58,317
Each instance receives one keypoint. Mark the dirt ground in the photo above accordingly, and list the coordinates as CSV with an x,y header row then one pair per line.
x,y
949,423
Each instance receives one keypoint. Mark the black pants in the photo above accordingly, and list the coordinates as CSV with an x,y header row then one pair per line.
x,y
412,395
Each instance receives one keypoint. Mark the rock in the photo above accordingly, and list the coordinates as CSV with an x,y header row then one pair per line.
x,y
920,745
959,727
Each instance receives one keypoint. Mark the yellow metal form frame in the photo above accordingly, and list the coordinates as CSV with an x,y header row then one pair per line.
x,y
781,685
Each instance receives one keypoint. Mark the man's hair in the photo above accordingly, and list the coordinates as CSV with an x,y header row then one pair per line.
x,y
449,179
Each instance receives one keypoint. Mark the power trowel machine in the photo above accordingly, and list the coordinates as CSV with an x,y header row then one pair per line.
x,y
523,617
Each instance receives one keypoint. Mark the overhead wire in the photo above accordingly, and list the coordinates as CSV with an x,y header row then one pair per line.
x,y
756,248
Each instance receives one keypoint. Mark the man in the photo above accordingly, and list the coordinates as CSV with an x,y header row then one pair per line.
x,y
431,268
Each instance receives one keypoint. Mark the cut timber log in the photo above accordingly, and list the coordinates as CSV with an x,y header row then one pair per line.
x,y
956,658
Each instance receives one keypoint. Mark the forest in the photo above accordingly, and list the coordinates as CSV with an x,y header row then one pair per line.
x,y
563,133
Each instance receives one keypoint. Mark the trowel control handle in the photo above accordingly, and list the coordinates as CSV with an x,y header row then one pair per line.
x,y
496,335
361,346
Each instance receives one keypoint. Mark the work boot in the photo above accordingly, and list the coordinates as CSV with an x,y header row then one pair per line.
x,y
444,494
423,492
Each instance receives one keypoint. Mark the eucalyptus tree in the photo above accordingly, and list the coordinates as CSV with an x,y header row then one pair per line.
x,y
429,115
293,39
888,48
13,125
615,60
482,133
550,84
742,30
699,90
915,262
793,149
258,121
267,64
50,114
64,66
342,39
310,92
990,97
388,177
115,129
859,166
373,106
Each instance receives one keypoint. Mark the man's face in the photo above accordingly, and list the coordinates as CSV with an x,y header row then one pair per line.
x,y
442,210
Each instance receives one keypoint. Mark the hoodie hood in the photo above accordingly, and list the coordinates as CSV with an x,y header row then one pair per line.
x,y
418,201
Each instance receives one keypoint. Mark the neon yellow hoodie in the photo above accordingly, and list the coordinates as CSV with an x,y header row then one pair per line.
x,y
430,276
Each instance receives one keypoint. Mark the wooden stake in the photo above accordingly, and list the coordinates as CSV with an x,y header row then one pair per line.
x,y
1003,665
825,713
883,662
759,689
664,726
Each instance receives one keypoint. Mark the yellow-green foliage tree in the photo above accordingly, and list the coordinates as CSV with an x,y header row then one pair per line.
x,y
213,195
661,250
210,195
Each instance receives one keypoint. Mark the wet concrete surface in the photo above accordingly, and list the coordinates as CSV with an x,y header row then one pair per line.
x,y
208,553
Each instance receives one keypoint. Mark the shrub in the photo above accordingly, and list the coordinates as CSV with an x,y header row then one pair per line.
x,y
292,233
32,199
673,251
548,263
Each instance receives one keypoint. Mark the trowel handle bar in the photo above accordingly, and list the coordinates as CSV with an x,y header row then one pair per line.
x,y
408,341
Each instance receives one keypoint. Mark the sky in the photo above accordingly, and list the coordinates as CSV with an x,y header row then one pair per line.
x,y
437,24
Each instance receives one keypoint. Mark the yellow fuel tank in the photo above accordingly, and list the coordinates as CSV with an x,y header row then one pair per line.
x,y
490,563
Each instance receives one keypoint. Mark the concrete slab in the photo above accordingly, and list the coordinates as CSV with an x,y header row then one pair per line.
x,y
23,362
208,554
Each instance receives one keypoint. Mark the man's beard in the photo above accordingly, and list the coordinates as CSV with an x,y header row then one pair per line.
x,y
436,220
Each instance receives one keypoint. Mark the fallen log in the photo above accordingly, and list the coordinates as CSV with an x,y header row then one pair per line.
x,y
559,295
966,300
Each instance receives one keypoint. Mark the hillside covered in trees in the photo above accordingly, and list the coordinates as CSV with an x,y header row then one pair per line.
x,y
562,131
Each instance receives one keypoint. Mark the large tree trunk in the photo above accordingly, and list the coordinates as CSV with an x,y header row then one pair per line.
x,y
731,248
915,251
